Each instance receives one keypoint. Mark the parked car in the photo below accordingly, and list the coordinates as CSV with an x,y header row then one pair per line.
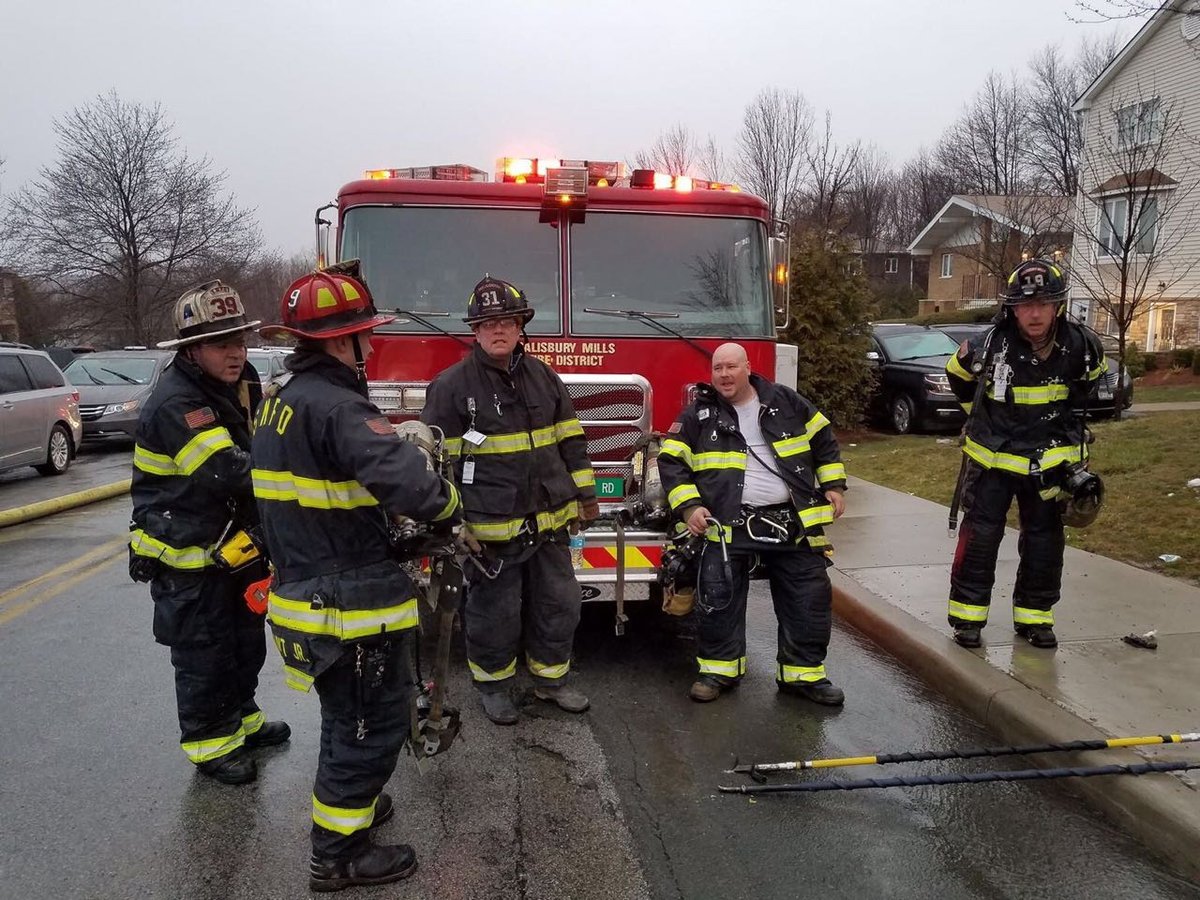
x,y
113,386
1102,399
39,412
912,390
268,361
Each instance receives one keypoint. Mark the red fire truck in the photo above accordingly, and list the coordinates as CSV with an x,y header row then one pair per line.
x,y
635,279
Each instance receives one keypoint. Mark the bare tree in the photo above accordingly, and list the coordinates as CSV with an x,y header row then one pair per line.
x,y
1092,11
776,130
1134,214
712,163
124,220
983,150
674,151
870,201
922,188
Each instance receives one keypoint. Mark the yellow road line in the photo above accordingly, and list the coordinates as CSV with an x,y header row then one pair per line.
x,y
91,556
37,599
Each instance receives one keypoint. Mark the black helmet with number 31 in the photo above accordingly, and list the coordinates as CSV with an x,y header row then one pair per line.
x,y
1035,280
496,299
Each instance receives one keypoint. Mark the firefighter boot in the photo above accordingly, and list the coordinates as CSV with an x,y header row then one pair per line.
x,y
270,734
499,707
567,698
705,689
1038,635
968,636
374,864
233,768
384,810
824,692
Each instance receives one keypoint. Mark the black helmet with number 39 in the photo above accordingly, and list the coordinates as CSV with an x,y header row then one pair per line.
x,y
496,299
1035,280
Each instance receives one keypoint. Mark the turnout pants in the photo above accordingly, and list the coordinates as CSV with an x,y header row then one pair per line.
x,y
1040,546
365,711
801,594
218,647
534,592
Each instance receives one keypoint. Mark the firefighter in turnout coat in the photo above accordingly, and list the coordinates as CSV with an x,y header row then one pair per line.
x,y
525,477
1024,440
191,489
329,475
762,461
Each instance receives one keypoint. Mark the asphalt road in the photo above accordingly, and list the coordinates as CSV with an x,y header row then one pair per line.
x,y
98,802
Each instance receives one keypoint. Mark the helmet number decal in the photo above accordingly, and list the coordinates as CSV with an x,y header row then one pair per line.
x,y
223,306
490,298
293,298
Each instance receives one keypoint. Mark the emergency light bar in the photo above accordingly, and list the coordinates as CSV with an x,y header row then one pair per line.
x,y
531,170
565,188
453,172
661,181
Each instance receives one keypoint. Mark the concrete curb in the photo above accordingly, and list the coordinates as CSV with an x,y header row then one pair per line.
x,y
19,514
1158,810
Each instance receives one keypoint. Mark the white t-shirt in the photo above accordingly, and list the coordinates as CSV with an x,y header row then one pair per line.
x,y
763,487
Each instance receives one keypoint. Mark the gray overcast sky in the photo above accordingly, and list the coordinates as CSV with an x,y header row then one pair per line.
x,y
296,97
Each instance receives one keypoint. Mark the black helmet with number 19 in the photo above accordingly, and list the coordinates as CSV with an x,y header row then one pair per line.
x,y
1035,281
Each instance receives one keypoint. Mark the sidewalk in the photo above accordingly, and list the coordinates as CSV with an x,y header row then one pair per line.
x,y
891,580
1171,406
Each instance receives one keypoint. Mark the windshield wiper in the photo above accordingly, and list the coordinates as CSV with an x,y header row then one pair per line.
x,y
651,319
120,375
420,317
88,372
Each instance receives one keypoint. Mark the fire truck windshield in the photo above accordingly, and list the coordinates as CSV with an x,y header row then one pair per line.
x,y
427,259
710,272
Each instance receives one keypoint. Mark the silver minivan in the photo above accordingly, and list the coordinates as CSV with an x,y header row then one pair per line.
x,y
39,412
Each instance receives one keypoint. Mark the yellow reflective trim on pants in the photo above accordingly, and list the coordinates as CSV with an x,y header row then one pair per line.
x,y
672,447
343,624
1035,396
186,558
567,428
812,516
253,722
213,748
955,368
806,674
545,670
831,472
733,459
197,451
967,612
478,673
584,478
297,680
451,505
681,494
729,668
1023,615
153,463
343,820
313,493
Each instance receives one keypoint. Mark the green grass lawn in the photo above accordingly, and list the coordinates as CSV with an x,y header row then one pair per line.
x,y
1145,461
1166,393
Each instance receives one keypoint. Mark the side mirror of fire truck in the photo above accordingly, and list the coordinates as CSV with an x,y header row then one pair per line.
x,y
322,226
778,252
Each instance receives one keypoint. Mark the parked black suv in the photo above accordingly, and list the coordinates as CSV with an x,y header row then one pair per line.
x,y
1101,401
912,390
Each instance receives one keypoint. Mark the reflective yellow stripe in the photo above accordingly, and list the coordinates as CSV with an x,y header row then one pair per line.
x,y
992,460
188,558
508,529
713,534
543,670
543,437
451,505
812,516
831,472
792,446
672,447
314,493
955,368
967,612
517,442
584,478
732,459
1031,396
815,424
967,407
343,624
808,674
297,680
1095,373
567,428
1023,615
453,447
197,451
730,668
343,820
681,494
153,463
480,674
213,748
253,722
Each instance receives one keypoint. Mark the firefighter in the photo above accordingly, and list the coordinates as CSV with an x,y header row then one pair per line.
x,y
523,469
191,489
755,462
1022,439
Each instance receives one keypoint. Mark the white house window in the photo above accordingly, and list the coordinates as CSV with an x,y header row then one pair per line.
x,y
947,265
1139,123
891,265
1116,226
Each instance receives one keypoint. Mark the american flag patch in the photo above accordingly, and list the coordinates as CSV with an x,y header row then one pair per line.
x,y
198,418
675,428
381,426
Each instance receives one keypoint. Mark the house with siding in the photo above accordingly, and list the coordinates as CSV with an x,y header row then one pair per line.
x,y
1137,216
977,239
